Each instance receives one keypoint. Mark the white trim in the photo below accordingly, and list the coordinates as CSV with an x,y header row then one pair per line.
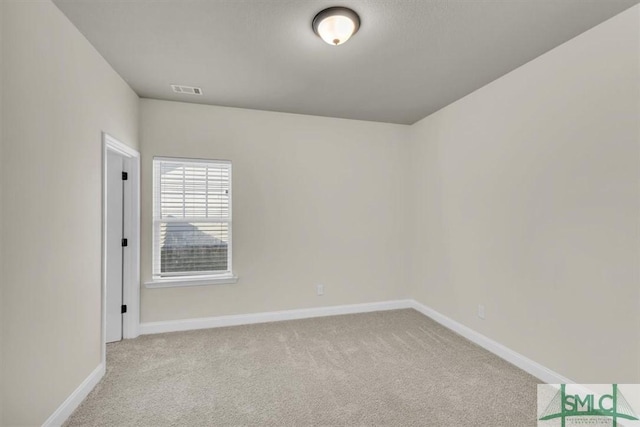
x,y
191,159
537,370
273,316
118,147
158,281
191,281
75,399
131,265
522,362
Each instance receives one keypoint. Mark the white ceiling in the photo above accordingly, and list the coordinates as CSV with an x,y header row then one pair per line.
x,y
409,59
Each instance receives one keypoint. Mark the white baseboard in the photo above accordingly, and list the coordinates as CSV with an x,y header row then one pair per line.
x,y
522,362
75,399
272,316
544,374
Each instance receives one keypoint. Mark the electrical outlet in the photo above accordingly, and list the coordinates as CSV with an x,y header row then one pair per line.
x,y
481,311
320,289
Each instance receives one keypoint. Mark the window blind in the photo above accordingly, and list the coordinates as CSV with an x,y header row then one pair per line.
x,y
191,218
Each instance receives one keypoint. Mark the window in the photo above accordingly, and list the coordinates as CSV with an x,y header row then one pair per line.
x,y
191,219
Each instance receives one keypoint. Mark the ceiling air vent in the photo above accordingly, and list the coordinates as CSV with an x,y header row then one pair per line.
x,y
187,89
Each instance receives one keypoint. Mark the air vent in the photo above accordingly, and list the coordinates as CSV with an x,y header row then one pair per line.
x,y
187,89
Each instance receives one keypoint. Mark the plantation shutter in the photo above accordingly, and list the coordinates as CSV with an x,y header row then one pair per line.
x,y
191,218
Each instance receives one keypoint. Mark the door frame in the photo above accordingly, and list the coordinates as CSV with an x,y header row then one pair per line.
x,y
131,258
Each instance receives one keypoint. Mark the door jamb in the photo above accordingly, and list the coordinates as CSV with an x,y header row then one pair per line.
x,y
131,259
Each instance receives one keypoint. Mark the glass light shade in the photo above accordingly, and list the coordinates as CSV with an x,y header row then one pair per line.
x,y
336,29
336,25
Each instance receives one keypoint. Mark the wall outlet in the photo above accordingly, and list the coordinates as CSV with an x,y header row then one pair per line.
x,y
320,289
481,311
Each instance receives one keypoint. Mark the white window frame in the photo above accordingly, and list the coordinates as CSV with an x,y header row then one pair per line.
x,y
225,277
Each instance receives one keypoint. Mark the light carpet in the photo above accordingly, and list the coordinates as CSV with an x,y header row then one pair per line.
x,y
393,368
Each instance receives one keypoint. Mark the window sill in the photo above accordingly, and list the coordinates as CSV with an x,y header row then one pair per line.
x,y
191,281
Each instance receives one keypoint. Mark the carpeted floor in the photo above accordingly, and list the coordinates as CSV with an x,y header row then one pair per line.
x,y
393,368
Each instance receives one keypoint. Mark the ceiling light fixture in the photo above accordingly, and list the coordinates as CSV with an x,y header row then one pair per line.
x,y
336,25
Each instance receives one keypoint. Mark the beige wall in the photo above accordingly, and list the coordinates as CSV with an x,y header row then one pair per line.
x,y
527,200
58,95
316,200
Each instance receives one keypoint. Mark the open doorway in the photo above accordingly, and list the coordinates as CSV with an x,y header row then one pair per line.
x,y
121,242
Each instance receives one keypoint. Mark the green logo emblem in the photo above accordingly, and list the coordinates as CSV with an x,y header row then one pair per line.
x,y
613,406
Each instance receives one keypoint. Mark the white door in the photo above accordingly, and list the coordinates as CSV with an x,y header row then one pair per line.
x,y
115,213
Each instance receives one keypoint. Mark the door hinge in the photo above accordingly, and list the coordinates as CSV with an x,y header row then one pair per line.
x,y
125,176
123,309
125,242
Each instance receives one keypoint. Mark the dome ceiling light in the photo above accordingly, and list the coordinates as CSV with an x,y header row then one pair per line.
x,y
336,25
